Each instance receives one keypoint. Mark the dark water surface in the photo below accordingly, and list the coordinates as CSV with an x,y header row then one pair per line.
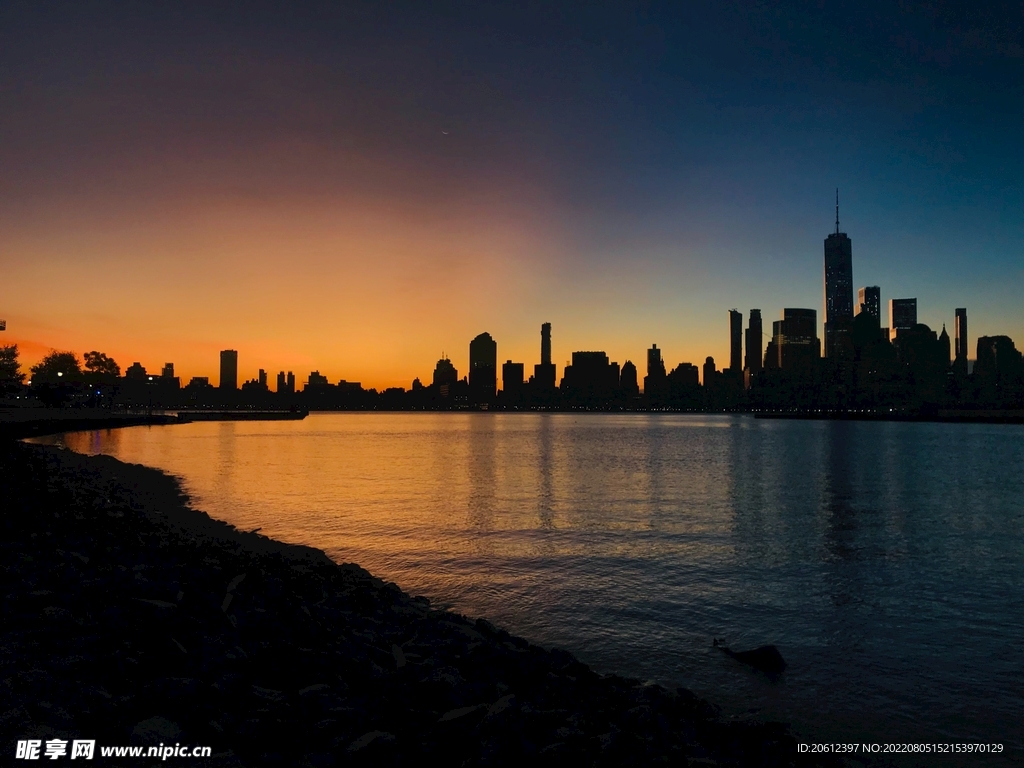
x,y
885,560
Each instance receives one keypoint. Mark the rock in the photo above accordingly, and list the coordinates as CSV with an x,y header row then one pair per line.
x,y
268,693
455,714
235,582
399,656
765,658
156,603
368,738
155,730
500,705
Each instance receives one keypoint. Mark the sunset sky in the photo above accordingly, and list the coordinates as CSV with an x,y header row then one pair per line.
x,y
357,188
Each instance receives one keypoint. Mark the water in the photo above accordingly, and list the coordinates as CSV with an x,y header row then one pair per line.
x,y
885,560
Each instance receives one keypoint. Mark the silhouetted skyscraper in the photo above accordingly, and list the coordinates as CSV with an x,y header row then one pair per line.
x,y
229,369
628,380
755,348
544,374
317,379
445,373
838,290
655,382
655,365
168,371
135,372
685,374
997,360
795,344
709,371
902,316
867,332
483,368
735,341
512,379
291,382
960,332
281,386
591,379
869,299
262,377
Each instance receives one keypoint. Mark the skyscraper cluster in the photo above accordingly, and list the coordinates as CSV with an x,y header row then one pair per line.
x,y
863,365
848,326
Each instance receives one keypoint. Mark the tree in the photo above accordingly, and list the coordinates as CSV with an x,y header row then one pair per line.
x,y
11,377
57,368
99,366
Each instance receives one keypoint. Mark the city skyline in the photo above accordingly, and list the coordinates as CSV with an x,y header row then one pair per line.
x,y
753,360
32,351
737,345
353,191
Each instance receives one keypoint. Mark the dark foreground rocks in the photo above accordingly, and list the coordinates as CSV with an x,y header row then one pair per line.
x,y
130,618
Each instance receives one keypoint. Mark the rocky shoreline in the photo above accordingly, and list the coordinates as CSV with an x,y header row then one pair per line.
x,y
131,618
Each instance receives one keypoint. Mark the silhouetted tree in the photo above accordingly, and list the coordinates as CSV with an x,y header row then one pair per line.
x,y
56,378
57,368
11,377
99,366
101,373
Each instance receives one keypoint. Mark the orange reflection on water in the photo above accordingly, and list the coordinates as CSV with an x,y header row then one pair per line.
x,y
403,494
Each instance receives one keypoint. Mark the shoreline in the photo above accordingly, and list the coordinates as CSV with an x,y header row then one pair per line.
x,y
18,424
134,617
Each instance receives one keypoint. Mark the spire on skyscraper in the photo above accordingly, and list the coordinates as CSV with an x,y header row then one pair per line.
x,y
837,210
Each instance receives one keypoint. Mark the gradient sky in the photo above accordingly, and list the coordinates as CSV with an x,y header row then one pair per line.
x,y
358,188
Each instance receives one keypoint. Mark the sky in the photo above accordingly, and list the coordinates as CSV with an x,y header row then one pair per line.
x,y
358,188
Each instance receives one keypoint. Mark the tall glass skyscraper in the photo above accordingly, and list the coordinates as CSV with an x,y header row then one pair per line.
x,y
902,316
838,290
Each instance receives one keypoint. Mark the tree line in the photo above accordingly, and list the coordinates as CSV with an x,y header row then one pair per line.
x,y
56,369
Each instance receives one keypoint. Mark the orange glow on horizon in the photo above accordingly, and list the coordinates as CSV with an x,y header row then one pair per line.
x,y
372,292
